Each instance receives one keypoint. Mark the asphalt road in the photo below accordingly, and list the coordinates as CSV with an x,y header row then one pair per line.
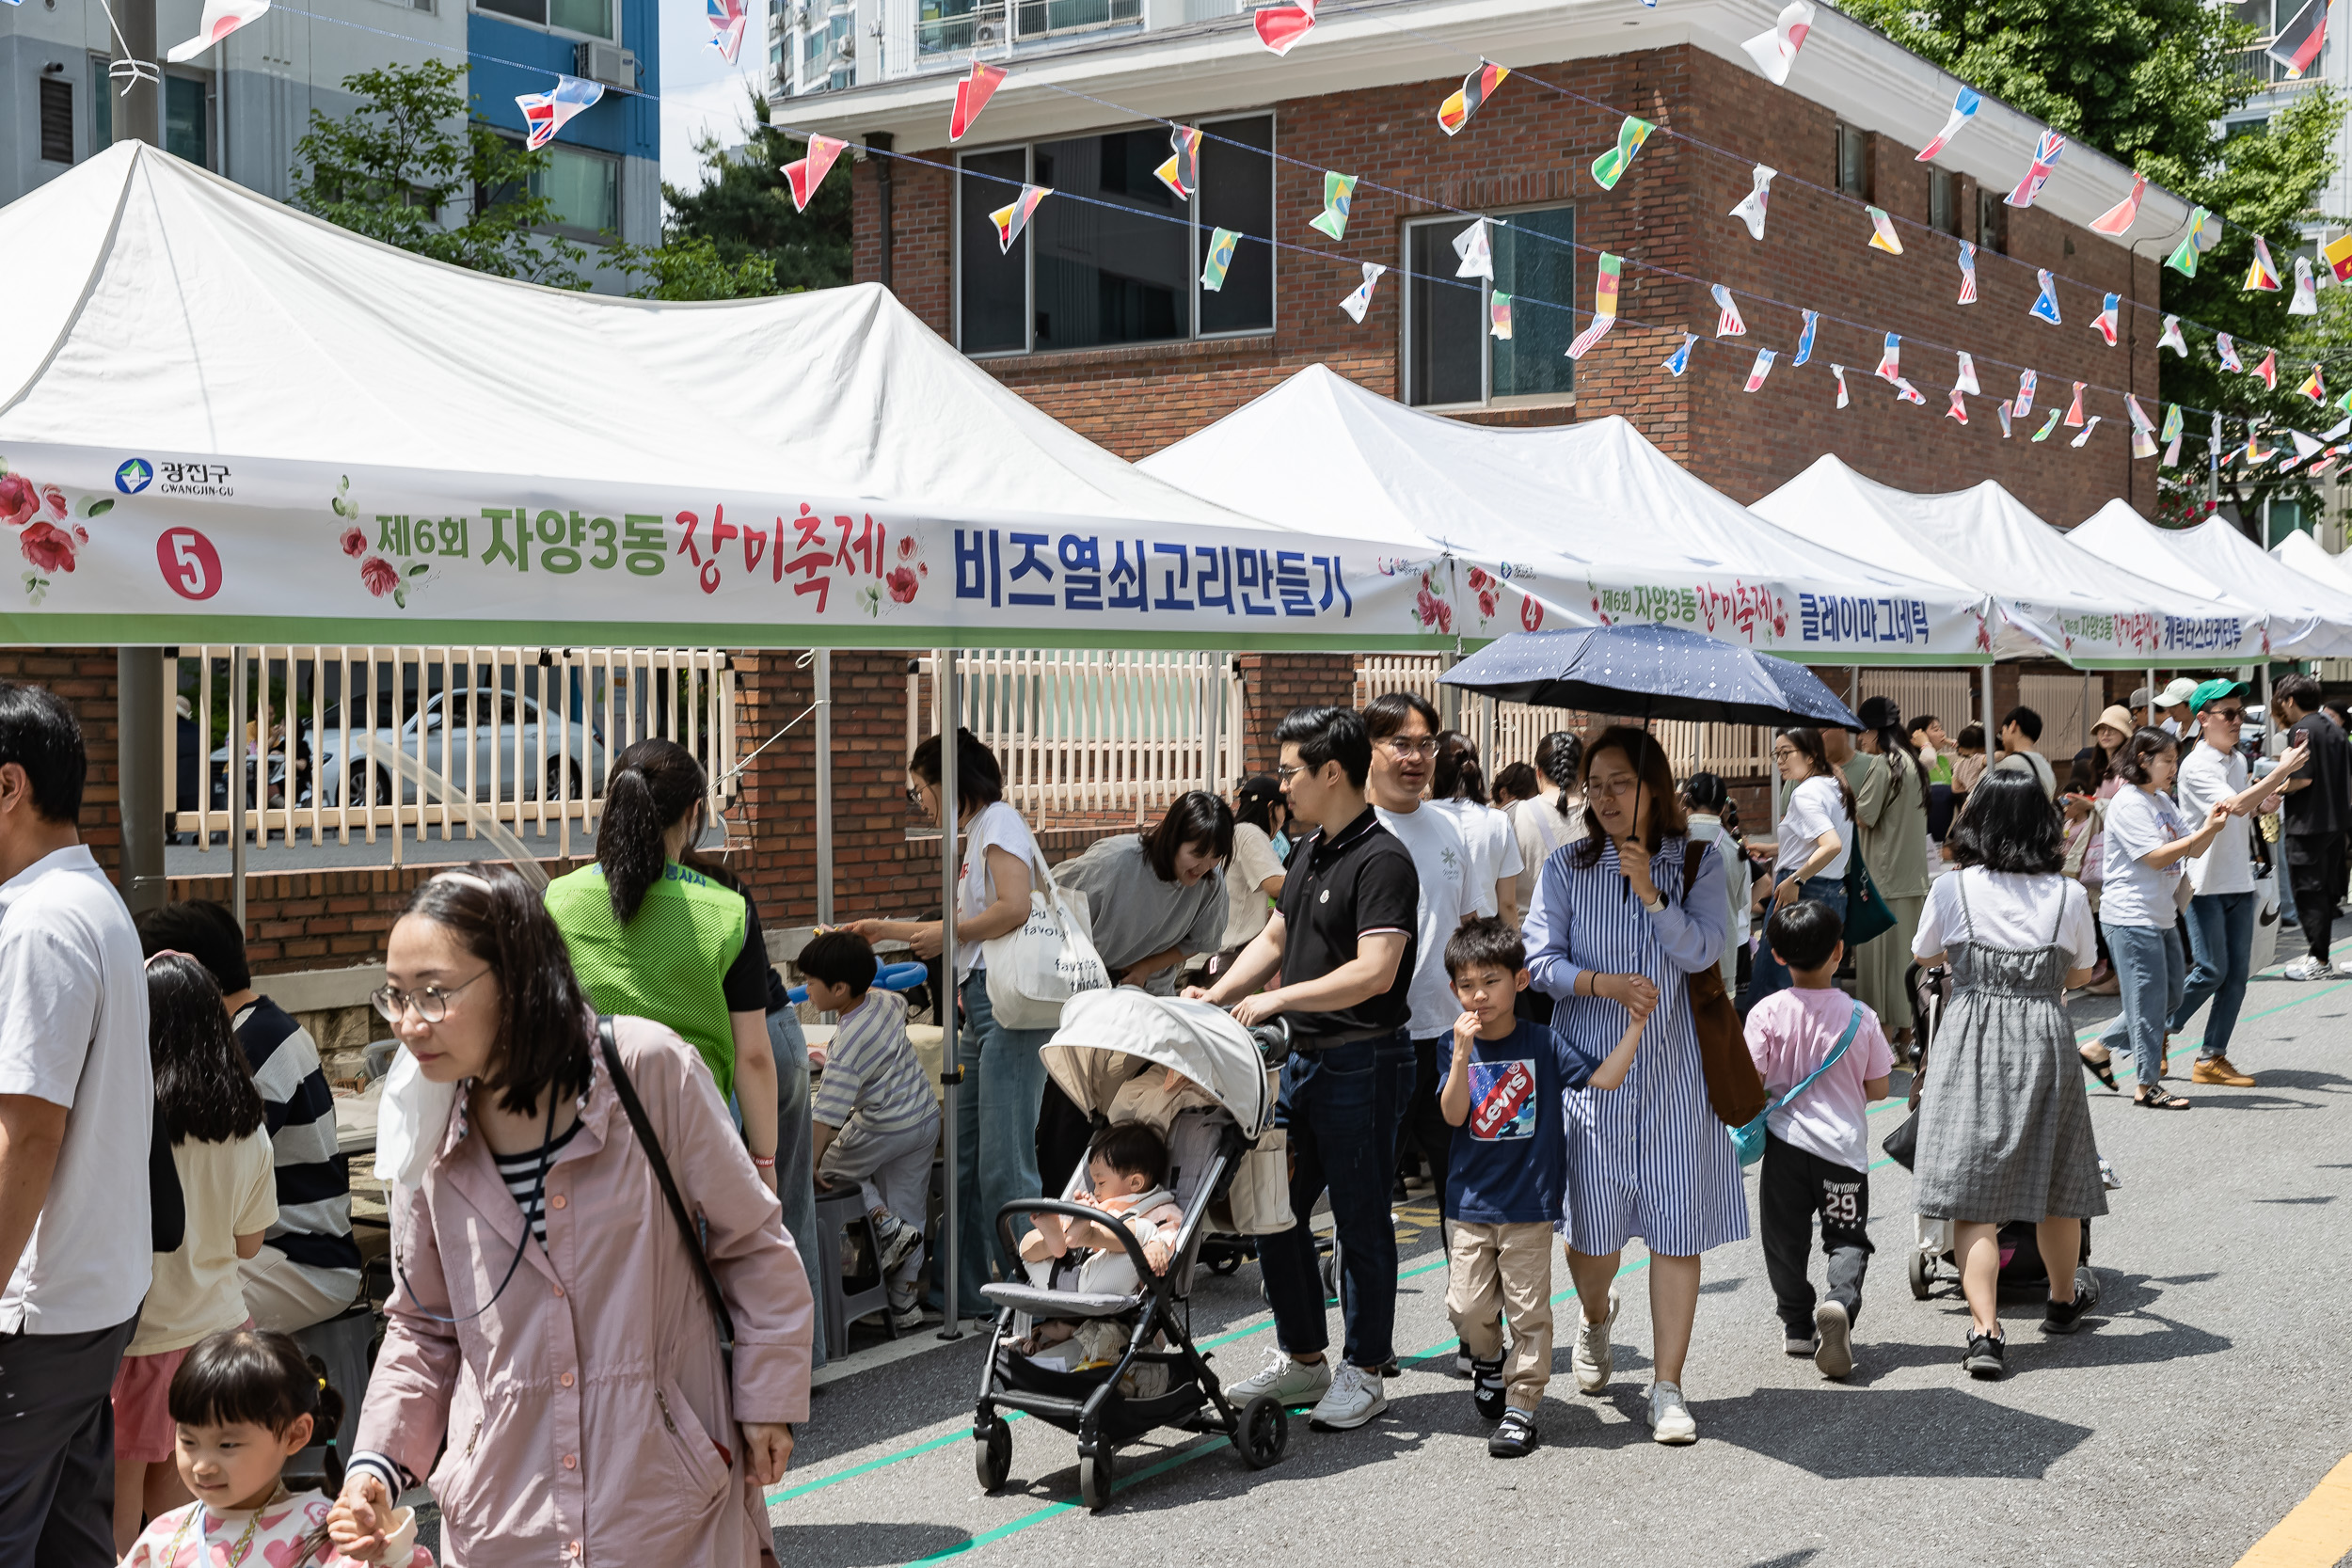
x,y
2205,1397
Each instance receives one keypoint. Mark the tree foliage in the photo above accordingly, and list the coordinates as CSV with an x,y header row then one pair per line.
x,y
405,165
744,210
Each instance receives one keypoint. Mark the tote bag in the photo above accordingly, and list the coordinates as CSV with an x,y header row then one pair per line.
x,y
1046,960
1867,913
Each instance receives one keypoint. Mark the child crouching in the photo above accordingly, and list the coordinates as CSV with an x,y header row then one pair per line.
x,y
1816,1147
1508,1162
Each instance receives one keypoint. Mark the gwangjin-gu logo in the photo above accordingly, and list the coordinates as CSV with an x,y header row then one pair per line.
x,y
134,476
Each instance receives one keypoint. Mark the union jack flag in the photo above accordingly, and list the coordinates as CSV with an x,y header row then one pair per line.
x,y
727,27
2046,157
546,113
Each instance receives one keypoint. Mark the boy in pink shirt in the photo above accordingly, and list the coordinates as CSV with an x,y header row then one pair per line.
x,y
1816,1146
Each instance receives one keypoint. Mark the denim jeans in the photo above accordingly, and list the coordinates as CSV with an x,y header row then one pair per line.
x,y
1768,975
2148,962
2221,941
1004,1083
796,1182
1339,1104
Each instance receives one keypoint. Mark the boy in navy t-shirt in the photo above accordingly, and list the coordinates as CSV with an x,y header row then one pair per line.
x,y
1509,1161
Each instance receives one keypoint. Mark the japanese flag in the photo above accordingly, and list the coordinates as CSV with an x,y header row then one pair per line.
x,y
221,17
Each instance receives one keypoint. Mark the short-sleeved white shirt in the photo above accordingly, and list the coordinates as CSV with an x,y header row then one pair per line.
x,y
1443,865
2208,778
74,1032
2009,908
1814,807
2132,892
1494,852
1000,827
1245,906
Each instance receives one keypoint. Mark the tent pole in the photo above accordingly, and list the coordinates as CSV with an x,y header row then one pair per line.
x,y
2270,728
143,729
2151,696
1988,708
821,670
237,786
950,1072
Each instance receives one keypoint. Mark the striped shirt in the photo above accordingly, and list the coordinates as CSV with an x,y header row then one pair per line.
x,y
525,1175
872,1072
313,1226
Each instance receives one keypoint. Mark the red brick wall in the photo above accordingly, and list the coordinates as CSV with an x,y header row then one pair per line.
x,y
1530,145
84,677
1273,684
304,920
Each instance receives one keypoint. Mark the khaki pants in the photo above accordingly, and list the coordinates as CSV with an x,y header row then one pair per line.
x,y
1505,1269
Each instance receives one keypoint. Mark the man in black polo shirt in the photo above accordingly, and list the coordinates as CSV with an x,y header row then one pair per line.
x,y
1343,943
2318,815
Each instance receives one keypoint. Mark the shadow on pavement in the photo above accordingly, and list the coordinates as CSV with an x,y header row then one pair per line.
x,y
1842,1434
863,1545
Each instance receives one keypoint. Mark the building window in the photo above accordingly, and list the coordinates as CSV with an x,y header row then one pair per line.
x,y
1452,358
1991,221
101,104
56,120
1114,255
592,17
187,128
1038,18
583,186
1853,162
1944,201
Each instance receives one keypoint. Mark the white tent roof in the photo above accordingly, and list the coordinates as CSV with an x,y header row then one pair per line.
x,y
164,320
2309,560
2306,621
2055,599
1601,522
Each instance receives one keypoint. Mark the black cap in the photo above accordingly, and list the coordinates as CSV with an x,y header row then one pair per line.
x,y
1879,713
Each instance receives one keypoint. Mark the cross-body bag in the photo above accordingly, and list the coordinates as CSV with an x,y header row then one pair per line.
x,y
1046,960
1749,1139
1734,1092
635,1111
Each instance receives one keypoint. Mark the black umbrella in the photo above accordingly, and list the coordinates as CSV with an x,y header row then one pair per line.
x,y
1652,671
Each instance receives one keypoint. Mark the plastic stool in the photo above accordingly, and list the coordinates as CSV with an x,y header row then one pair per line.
x,y
838,1208
344,1344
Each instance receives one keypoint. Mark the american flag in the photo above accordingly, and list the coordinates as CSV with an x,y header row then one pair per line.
x,y
1728,323
1968,273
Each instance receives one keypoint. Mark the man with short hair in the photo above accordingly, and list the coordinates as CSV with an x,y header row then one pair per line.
x,y
1339,948
2021,727
2317,817
77,1098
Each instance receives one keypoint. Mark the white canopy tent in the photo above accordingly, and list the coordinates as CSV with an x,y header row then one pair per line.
x,y
1563,525
2058,601
2304,555
2305,620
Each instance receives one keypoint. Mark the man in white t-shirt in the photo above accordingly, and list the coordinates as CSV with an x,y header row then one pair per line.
x,y
77,1097
2221,880
2021,728
1404,731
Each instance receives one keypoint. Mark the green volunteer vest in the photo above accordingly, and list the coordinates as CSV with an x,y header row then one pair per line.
x,y
668,965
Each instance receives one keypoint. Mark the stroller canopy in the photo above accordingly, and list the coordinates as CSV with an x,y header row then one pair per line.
x,y
1199,1041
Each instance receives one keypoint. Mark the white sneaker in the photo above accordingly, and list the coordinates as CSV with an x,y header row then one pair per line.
x,y
1289,1381
895,1239
1592,1360
1670,1419
1356,1396
2307,968
1834,1328
906,1308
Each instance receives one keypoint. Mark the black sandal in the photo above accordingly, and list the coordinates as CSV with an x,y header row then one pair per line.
x,y
2160,1099
2103,1070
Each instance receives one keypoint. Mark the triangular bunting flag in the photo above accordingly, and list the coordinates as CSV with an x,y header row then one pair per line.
x,y
1680,360
1906,392
1775,51
2224,345
1968,273
2171,337
1476,250
1750,208
1339,192
2306,301
2046,157
2108,313
2313,387
2085,433
1464,101
1891,359
2121,216
1280,26
2297,47
1959,409
2002,409
1181,172
1220,256
971,96
2338,254
224,17
2262,276
1805,339
2075,409
2024,394
1360,301
1839,372
1966,380
2047,425
808,171
1882,235
2172,434
1963,110
1727,322
2205,232
2268,372
1498,315
1762,367
1014,215
2045,305
727,23
546,113
1610,166
1604,305
2137,415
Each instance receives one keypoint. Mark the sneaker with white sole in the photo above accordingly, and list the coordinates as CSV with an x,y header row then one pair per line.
x,y
1833,1325
894,1238
906,1308
1355,1396
2307,968
1670,1419
1289,1381
1794,1343
1593,1359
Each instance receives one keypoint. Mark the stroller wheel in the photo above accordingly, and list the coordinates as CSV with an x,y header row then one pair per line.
x,y
1096,1472
1225,1263
992,1454
1922,1275
1264,1432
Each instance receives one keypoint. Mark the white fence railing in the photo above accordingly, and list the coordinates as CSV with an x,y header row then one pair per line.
x,y
529,734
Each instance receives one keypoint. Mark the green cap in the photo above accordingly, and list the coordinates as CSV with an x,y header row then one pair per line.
x,y
2212,690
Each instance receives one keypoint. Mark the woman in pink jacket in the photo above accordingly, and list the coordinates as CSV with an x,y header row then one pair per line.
x,y
549,1322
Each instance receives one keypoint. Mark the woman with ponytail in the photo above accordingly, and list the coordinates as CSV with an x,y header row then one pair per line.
x,y
1890,794
1457,787
1554,816
654,932
1816,841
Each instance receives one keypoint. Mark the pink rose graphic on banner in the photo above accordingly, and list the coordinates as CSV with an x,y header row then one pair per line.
x,y
355,542
902,580
20,500
48,548
379,575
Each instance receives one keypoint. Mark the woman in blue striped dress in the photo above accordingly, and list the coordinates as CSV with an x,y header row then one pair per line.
x,y
1614,930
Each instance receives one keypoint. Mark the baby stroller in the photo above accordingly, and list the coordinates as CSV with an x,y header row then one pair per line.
x,y
1159,1378
2022,1271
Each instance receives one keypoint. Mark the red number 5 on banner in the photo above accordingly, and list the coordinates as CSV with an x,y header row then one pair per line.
x,y
190,563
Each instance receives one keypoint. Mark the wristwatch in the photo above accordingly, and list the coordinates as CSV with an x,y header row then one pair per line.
x,y
1656,904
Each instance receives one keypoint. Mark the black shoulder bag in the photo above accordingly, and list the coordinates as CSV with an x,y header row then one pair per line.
x,y
692,1232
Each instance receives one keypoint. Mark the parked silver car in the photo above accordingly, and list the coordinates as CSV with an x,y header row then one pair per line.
x,y
500,750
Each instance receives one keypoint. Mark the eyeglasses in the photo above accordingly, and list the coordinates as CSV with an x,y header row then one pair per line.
x,y
1782,753
1288,771
1426,746
431,1002
2227,715
1612,787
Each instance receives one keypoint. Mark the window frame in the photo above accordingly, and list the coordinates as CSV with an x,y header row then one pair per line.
x,y
1861,190
568,231
1028,149
1949,184
611,12
1487,399
1993,235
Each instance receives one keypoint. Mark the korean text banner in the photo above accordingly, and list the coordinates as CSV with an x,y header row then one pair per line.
x,y
106,547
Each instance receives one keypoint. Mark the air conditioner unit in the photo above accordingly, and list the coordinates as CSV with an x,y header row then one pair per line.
x,y
986,35
609,63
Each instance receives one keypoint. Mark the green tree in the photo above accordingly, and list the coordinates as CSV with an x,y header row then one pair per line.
x,y
691,267
2152,82
406,165
744,209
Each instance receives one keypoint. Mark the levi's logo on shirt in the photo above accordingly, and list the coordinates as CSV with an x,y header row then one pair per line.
x,y
1502,1101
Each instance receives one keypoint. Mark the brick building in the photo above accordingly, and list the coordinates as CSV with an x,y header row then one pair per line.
x,y
1094,315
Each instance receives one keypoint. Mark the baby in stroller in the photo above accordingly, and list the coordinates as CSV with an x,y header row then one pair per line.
x,y
1127,1172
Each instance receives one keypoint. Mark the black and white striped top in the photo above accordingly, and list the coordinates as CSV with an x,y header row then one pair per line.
x,y
525,1177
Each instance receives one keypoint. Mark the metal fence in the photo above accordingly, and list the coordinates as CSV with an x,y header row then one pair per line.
x,y
527,734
